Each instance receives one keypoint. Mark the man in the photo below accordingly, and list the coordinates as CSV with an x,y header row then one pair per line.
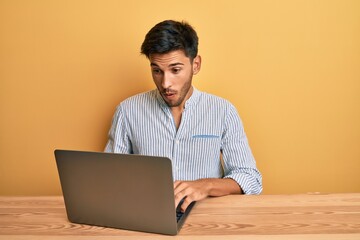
x,y
192,128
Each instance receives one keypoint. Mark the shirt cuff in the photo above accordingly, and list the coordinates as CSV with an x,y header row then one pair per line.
x,y
247,183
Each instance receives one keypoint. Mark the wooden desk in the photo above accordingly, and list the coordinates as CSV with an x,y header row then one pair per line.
x,y
308,216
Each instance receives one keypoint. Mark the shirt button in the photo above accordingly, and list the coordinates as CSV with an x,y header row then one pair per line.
x,y
177,141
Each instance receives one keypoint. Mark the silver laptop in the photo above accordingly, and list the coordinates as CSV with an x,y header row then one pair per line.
x,y
123,191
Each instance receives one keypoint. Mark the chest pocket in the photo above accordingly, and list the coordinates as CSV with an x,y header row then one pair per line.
x,y
205,136
207,146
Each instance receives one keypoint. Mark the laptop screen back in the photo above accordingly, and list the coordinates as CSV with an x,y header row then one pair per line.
x,y
117,190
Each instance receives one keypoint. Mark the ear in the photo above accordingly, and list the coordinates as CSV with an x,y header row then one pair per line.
x,y
196,64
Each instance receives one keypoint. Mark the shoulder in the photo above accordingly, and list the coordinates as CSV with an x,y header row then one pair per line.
x,y
136,102
215,101
140,99
219,107
224,110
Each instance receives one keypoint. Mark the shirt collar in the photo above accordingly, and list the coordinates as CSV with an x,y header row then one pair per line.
x,y
193,100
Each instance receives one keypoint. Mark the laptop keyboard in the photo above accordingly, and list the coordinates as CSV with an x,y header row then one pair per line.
x,y
179,213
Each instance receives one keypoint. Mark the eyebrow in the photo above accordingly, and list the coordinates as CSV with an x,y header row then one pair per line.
x,y
171,65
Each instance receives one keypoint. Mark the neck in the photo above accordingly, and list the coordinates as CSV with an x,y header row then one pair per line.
x,y
178,110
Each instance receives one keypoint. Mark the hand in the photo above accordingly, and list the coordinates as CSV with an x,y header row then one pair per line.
x,y
203,188
191,191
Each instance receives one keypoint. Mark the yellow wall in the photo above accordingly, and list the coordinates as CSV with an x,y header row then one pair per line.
x,y
292,69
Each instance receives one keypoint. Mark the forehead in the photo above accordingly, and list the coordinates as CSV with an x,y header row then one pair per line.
x,y
169,59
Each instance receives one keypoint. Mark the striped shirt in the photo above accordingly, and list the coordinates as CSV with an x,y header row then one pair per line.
x,y
210,129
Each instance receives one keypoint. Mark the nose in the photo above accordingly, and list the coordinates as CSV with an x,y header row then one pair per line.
x,y
166,81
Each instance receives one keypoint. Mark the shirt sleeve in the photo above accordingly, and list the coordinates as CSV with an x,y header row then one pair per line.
x,y
118,139
239,162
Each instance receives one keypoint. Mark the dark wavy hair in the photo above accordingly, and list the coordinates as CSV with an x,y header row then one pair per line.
x,y
169,36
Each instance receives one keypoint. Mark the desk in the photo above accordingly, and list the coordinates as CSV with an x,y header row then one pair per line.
x,y
306,216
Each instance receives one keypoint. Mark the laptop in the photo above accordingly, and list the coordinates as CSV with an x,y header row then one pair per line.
x,y
133,192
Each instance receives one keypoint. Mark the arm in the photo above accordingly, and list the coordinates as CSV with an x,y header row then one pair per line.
x,y
240,172
203,188
239,162
118,141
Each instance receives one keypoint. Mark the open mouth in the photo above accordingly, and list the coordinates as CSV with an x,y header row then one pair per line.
x,y
169,95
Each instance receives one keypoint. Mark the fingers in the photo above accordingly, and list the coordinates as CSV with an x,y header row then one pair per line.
x,y
190,190
180,192
185,204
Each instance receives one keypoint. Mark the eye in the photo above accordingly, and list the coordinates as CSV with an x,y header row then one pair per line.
x,y
156,71
176,70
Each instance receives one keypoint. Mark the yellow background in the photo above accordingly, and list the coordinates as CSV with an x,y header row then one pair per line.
x,y
292,69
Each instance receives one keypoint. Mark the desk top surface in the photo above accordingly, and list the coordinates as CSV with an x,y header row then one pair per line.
x,y
303,216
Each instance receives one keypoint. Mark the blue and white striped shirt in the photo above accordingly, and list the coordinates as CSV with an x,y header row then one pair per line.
x,y
210,126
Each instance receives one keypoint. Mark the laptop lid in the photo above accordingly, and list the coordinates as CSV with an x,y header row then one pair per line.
x,y
133,192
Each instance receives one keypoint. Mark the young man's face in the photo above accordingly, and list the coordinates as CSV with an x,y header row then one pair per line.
x,y
172,73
